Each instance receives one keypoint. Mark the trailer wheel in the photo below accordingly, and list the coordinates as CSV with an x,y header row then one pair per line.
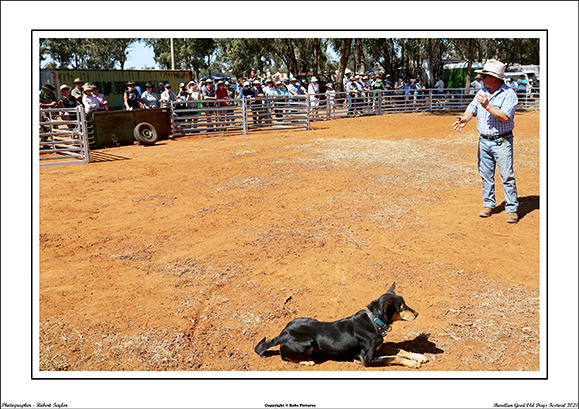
x,y
146,134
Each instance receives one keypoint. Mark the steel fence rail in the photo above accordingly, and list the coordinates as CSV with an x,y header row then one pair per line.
x,y
239,115
63,136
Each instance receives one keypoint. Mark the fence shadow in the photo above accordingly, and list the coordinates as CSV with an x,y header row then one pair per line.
x,y
96,156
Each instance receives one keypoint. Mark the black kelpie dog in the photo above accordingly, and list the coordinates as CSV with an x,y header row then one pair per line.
x,y
357,337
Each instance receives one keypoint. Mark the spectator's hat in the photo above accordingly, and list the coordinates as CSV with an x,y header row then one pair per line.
x,y
292,79
77,81
86,88
148,85
329,85
191,83
268,80
130,84
167,85
256,81
48,86
64,86
94,86
227,83
494,68
209,81
182,85
246,84
220,82
278,83
478,77
314,79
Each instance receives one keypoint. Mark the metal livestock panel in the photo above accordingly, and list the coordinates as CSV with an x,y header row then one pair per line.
x,y
112,82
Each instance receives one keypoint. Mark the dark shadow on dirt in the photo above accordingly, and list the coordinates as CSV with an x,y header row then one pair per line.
x,y
527,204
419,345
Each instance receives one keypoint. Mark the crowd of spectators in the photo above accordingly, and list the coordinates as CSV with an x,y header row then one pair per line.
x,y
360,91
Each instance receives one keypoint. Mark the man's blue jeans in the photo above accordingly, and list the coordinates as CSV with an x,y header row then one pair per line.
x,y
490,155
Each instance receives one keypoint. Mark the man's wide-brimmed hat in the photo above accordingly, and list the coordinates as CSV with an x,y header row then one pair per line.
x,y
494,68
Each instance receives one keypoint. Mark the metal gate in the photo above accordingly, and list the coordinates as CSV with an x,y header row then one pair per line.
x,y
239,115
63,136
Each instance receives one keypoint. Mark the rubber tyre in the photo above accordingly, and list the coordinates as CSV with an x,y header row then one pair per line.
x,y
146,134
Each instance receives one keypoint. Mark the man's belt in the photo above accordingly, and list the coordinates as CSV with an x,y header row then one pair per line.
x,y
495,137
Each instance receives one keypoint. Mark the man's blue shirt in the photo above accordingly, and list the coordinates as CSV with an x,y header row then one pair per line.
x,y
504,99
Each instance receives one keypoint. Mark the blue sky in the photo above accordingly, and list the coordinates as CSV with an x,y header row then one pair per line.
x,y
140,56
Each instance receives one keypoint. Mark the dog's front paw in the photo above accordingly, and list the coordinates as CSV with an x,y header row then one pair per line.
x,y
418,357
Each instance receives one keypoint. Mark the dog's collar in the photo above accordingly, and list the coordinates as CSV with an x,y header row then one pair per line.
x,y
382,328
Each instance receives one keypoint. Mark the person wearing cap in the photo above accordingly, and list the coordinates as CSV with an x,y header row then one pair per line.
x,y
132,97
167,96
89,100
160,88
76,92
494,107
47,98
522,86
149,98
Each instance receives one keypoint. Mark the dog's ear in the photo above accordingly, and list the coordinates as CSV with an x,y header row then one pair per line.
x,y
391,289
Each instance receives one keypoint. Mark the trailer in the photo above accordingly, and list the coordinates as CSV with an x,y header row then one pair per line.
x,y
120,127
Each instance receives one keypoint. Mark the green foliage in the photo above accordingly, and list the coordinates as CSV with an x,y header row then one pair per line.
x,y
86,53
190,53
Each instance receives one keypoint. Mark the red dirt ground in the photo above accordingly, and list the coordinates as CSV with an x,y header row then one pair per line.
x,y
183,255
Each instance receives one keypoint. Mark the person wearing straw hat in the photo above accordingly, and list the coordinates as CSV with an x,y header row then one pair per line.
x,y
494,106
76,92
89,101
313,91
67,101
477,83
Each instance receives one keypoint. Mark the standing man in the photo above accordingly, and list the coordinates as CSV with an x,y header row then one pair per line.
x,y
77,92
494,106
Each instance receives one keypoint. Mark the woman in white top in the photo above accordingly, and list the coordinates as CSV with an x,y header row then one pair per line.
x,y
89,101
313,90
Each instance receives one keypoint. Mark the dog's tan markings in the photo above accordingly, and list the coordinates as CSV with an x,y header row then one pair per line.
x,y
407,315
307,363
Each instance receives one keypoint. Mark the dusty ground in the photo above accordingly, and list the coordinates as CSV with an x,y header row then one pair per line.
x,y
182,256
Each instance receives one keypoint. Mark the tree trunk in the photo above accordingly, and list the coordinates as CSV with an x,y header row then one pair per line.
x,y
316,44
360,56
344,57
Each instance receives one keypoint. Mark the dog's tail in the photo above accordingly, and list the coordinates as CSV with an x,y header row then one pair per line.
x,y
265,345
